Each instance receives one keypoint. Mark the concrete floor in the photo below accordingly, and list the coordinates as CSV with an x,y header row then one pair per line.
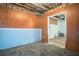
x,y
59,41
37,49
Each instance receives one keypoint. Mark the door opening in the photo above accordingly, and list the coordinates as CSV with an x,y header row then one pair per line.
x,y
57,29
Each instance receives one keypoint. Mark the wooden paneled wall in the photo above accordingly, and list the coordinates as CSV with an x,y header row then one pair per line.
x,y
53,21
72,15
11,18
18,19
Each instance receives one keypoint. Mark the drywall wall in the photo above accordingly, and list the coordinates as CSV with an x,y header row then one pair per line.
x,y
53,31
12,37
61,24
56,26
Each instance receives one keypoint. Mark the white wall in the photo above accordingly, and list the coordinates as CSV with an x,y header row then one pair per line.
x,y
54,29
61,26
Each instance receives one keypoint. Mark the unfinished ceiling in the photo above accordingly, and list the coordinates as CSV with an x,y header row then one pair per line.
x,y
37,8
60,16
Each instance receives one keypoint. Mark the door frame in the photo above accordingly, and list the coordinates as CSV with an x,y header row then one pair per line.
x,y
65,22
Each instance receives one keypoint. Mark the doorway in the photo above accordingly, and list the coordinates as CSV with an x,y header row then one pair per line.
x,y
57,29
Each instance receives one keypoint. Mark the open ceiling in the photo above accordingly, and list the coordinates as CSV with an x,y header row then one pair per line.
x,y
37,8
59,16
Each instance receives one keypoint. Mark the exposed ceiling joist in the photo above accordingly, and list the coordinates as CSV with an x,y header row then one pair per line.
x,y
60,16
25,7
40,5
37,8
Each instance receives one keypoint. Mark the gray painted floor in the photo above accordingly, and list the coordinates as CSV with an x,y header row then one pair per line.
x,y
37,49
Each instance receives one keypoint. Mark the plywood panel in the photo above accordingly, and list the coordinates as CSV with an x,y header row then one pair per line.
x,y
72,42
12,18
53,21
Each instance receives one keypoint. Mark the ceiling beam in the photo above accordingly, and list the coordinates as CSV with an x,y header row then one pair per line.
x,y
38,8
28,6
45,6
17,4
39,5
25,7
